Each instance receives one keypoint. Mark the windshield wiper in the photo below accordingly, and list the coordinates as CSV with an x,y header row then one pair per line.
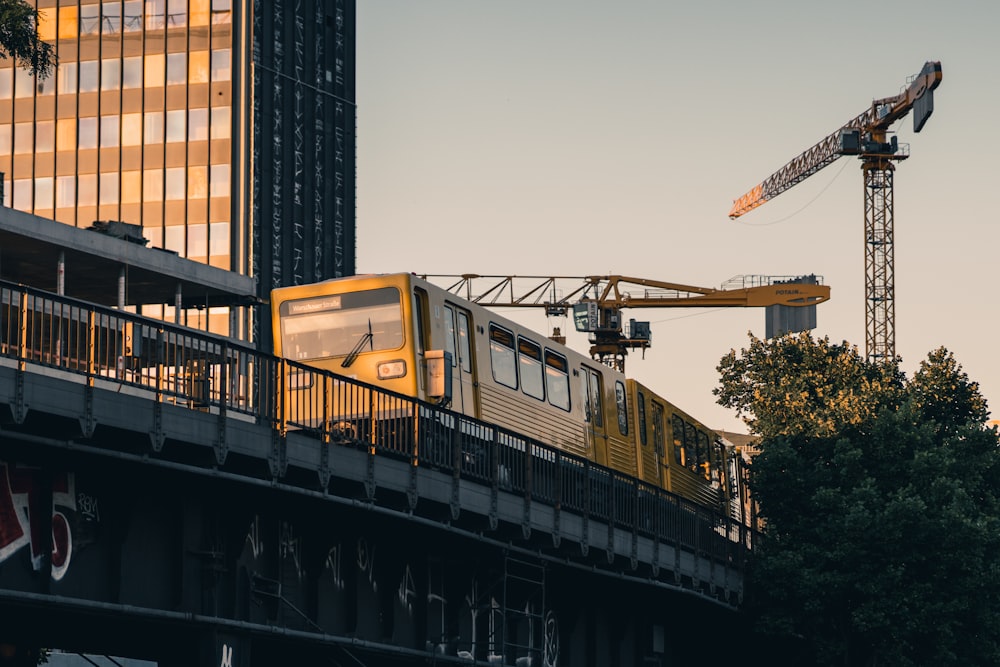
x,y
365,338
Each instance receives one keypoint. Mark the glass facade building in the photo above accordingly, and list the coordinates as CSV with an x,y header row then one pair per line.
x,y
225,128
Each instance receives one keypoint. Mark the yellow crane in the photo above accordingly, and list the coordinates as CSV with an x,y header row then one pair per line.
x,y
867,137
597,301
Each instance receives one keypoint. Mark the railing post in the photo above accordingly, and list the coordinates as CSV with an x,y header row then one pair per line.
x,y
529,456
280,398
22,332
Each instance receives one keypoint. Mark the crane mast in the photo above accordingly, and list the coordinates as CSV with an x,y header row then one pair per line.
x,y
597,301
865,136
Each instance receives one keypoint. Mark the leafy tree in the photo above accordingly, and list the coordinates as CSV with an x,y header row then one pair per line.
x,y
881,501
19,38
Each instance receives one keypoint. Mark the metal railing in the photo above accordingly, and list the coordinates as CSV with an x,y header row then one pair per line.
x,y
206,372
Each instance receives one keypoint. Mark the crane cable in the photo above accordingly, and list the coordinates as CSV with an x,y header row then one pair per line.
x,y
804,207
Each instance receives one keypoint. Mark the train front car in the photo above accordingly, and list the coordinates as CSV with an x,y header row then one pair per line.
x,y
361,331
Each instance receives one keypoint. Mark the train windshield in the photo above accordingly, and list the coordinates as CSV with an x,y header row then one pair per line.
x,y
334,325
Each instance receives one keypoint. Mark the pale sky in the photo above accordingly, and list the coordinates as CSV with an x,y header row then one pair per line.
x,y
575,137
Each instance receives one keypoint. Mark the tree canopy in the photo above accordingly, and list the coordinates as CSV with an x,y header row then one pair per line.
x,y
881,501
19,38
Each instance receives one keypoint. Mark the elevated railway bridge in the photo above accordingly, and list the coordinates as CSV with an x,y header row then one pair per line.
x,y
161,497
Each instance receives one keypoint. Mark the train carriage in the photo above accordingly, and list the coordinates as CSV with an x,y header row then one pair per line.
x,y
409,336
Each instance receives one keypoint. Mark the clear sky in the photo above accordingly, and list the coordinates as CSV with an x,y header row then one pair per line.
x,y
576,137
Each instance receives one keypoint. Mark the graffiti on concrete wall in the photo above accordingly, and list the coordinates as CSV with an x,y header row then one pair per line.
x,y
24,497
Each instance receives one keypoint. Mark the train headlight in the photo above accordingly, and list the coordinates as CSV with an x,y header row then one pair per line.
x,y
388,370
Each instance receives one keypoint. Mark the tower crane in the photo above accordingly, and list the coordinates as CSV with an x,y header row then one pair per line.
x,y
597,301
866,137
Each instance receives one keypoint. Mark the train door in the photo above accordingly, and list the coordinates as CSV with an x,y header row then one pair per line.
x,y
458,341
658,423
592,391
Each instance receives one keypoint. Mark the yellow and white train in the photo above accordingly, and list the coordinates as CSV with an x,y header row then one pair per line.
x,y
409,336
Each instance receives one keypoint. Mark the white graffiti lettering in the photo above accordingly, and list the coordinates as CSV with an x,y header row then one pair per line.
x,y
333,564
227,656
253,538
407,590
366,561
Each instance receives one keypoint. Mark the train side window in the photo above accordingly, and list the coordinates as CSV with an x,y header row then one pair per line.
x,y
557,380
529,361
585,394
419,303
679,451
658,433
463,341
704,456
641,407
718,467
596,400
449,334
622,405
690,444
502,357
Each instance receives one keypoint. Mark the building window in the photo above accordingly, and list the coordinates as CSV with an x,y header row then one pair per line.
x,y
173,239
109,188
219,181
5,144
131,187
132,16
47,86
221,65
66,134
89,82
155,14
6,83
176,69
153,132
111,74
24,84
132,72
198,67
221,123
109,132
132,129
45,137
197,240
176,13
176,121
198,125
199,14
66,75
47,24
152,185
90,19
154,63
43,192
22,194
218,239
86,189
222,11
176,184
67,22
65,192
87,133
197,182
24,138
111,21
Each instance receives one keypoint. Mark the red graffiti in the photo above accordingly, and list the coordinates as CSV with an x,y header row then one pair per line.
x,y
20,524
